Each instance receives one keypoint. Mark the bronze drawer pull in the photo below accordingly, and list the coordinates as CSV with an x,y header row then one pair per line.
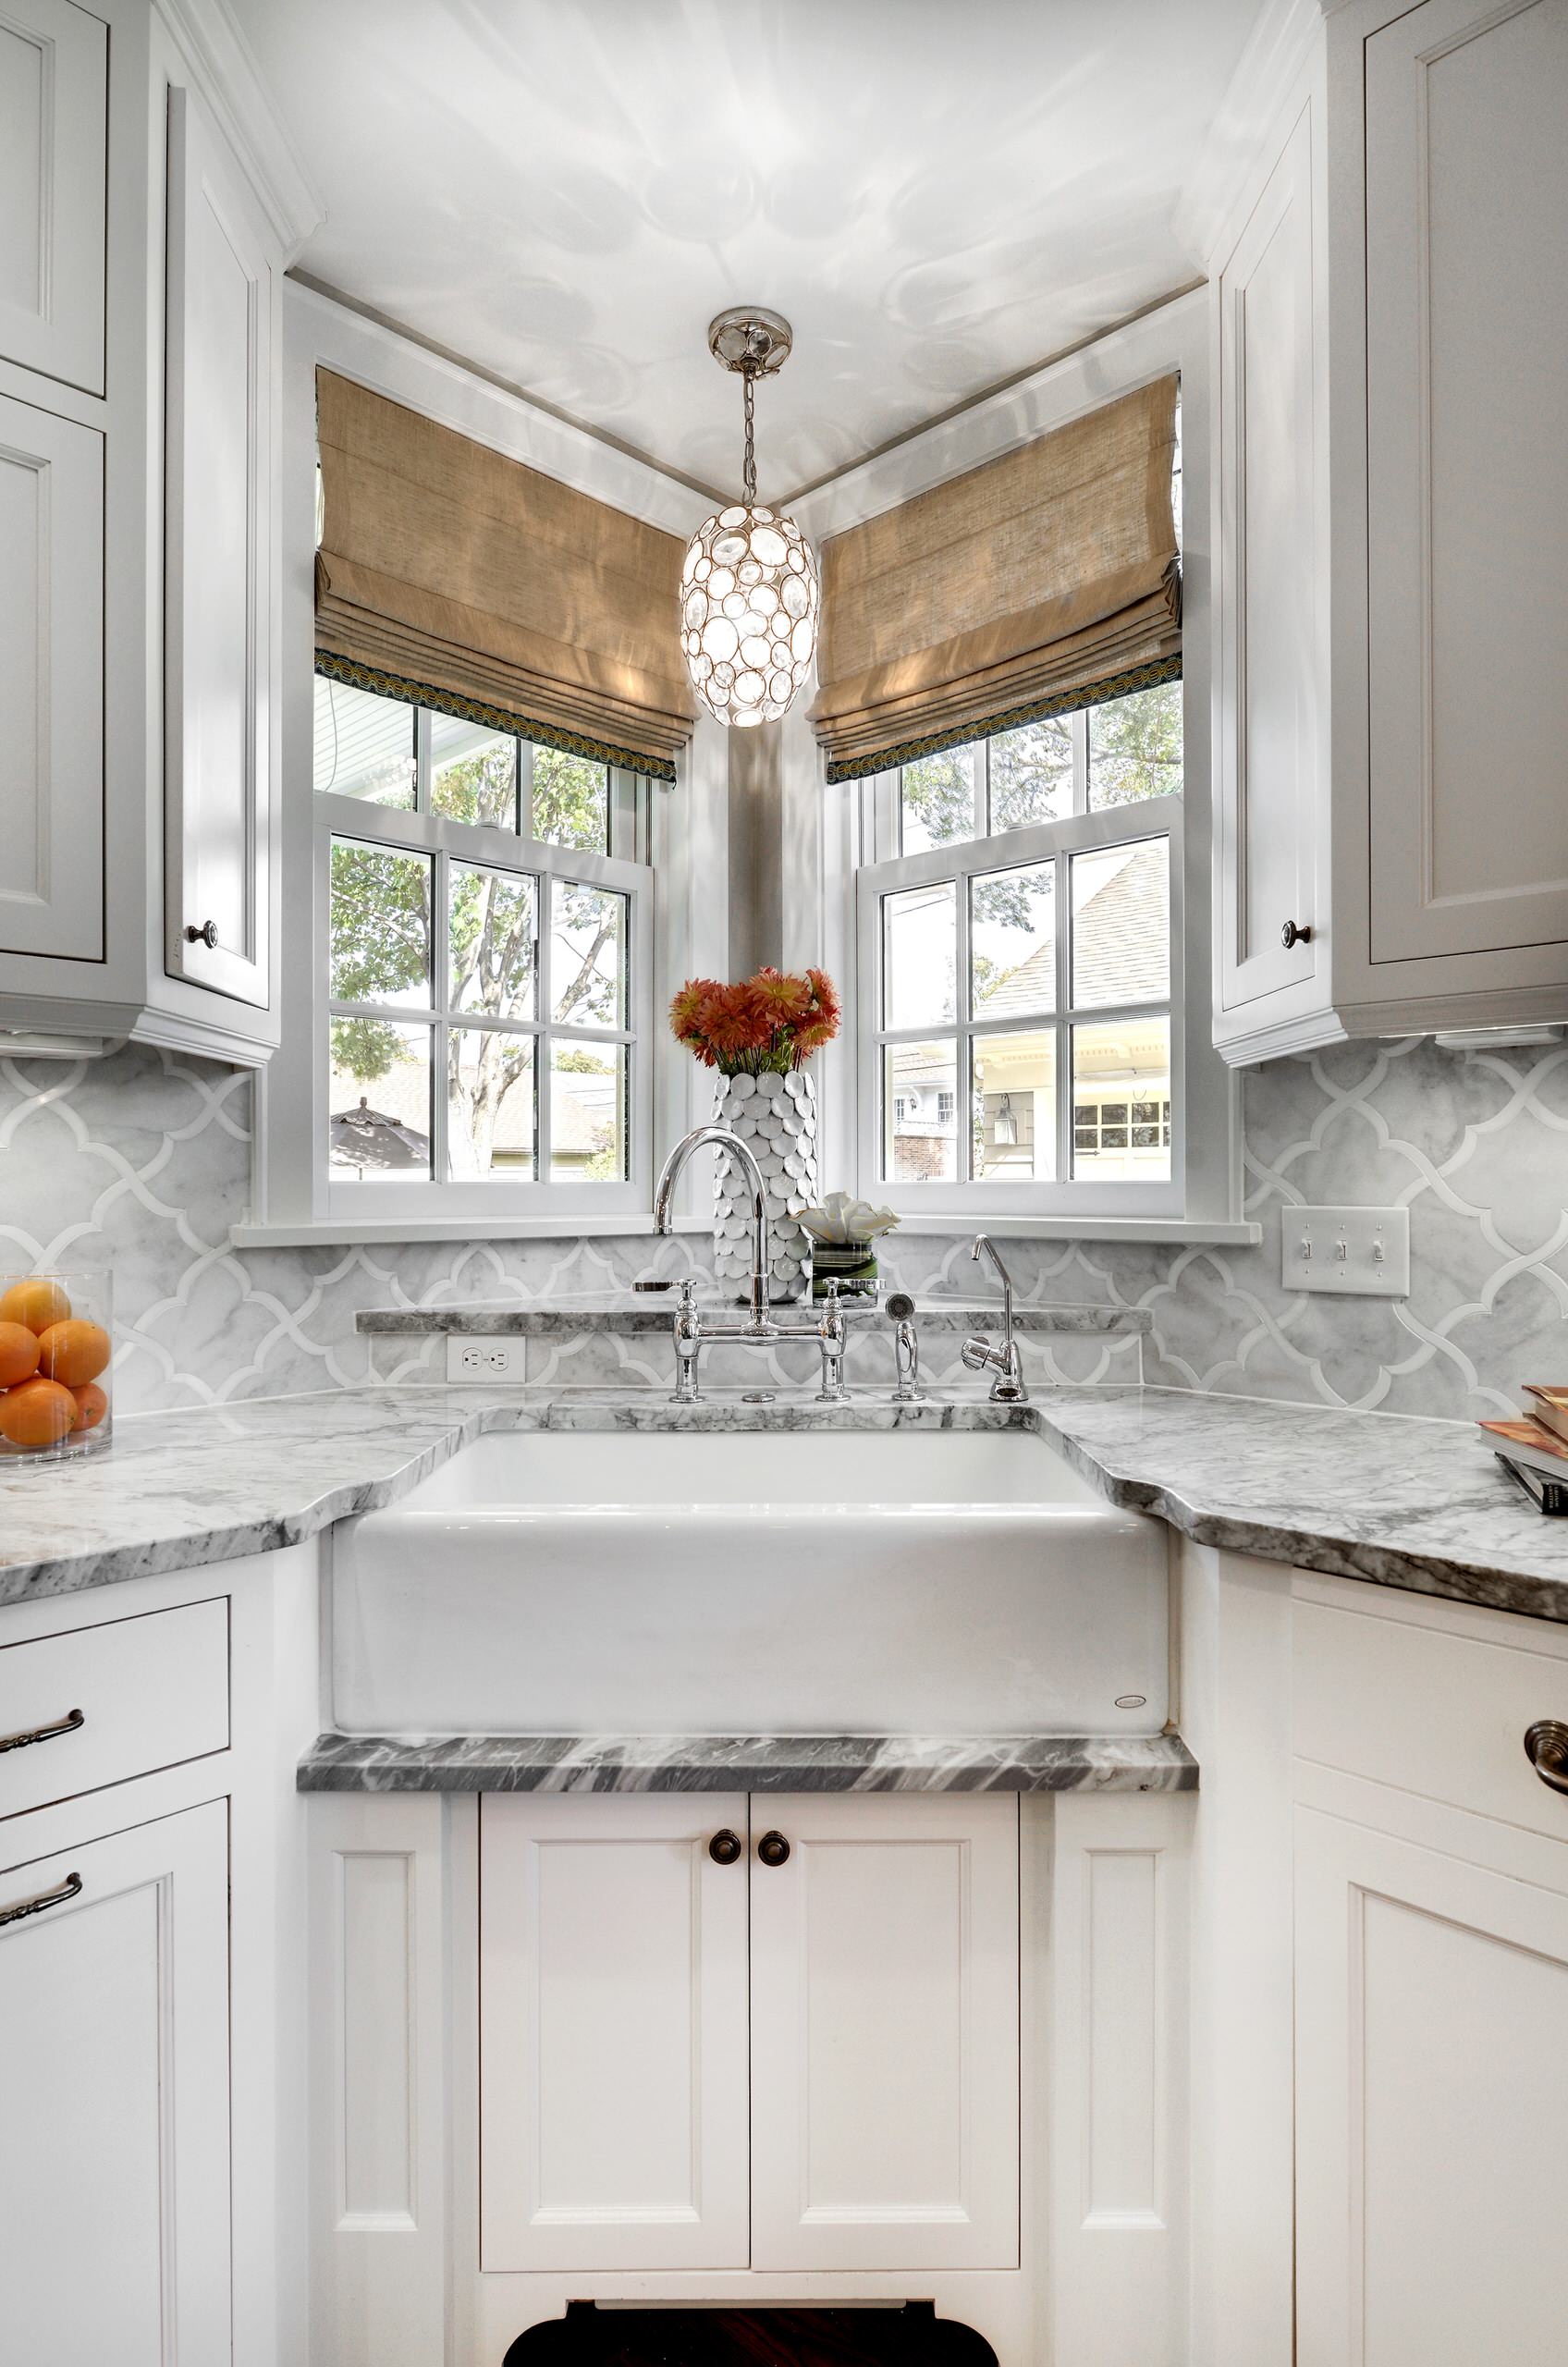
x,y
725,1847
1545,1747
773,1849
45,1899
66,1725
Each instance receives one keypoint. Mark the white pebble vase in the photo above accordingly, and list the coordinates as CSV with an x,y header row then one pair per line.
x,y
775,1117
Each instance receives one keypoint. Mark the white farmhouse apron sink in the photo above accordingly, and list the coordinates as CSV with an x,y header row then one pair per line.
x,y
931,1582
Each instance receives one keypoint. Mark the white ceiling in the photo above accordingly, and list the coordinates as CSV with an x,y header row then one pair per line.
x,y
937,193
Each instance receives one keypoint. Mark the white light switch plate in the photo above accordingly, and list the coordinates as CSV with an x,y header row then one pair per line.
x,y
487,1359
1352,1253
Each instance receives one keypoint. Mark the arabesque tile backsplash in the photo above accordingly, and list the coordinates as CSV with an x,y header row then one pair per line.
x,y
141,1161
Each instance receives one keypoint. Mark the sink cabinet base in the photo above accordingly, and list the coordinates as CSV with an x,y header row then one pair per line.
x,y
1067,1915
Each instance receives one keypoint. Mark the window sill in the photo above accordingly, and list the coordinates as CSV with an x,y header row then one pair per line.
x,y
1001,1227
348,1231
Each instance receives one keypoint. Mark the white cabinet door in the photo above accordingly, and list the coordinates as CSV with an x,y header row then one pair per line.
x,y
1432,2079
51,683
1272,660
613,2104
114,2067
53,151
1467,478
885,2004
218,560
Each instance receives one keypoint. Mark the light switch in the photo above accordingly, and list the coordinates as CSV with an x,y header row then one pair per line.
x,y
1359,1253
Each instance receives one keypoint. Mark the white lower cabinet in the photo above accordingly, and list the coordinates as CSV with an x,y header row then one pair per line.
x,y
114,2035
1431,1999
781,2033
1431,1981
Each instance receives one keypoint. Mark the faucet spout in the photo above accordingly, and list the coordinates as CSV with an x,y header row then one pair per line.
x,y
978,1355
722,1138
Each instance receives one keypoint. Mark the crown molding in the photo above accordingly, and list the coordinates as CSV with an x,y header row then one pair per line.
x,y
233,86
1277,49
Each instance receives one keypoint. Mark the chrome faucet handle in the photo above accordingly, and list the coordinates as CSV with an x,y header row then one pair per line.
x,y
686,1328
832,1336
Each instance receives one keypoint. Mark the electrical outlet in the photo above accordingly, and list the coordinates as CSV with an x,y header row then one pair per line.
x,y
486,1357
1349,1253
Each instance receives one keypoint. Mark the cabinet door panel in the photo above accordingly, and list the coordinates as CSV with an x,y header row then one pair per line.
x,y
54,149
219,588
1271,665
114,2063
1431,1999
51,685
613,2030
885,2033
1466,357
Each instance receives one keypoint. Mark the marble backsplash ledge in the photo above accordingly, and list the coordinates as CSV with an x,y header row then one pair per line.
x,y
142,1161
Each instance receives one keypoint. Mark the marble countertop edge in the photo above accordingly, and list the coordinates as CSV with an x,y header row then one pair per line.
x,y
341,1762
654,1312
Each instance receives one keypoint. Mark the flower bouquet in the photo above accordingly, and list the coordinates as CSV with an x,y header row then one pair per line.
x,y
758,1034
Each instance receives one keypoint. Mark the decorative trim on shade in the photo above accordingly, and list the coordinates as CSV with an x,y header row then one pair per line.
x,y
1011,592
493,589
1115,686
495,718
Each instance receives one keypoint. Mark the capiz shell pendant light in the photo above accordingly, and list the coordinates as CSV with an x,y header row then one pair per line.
x,y
748,588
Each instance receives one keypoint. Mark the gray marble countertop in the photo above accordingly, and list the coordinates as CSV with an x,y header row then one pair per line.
x,y
652,1310
748,1763
1396,1502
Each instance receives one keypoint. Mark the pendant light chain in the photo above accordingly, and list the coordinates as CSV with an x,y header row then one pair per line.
x,y
748,382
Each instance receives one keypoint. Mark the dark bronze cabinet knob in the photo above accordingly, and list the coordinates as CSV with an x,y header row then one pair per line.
x,y
206,935
1291,935
773,1849
725,1847
1546,1746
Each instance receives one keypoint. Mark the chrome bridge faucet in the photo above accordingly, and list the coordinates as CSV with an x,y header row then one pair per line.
x,y
692,1327
979,1356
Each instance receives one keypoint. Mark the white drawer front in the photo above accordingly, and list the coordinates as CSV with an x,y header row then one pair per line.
x,y
140,1694
1440,1714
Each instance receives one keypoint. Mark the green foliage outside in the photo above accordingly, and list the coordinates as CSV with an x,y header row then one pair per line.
x,y
383,951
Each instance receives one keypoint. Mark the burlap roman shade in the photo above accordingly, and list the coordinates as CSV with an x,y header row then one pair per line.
x,y
1036,583
446,568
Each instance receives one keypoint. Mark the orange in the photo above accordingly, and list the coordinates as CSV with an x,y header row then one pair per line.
x,y
37,1302
18,1354
90,1405
36,1413
73,1351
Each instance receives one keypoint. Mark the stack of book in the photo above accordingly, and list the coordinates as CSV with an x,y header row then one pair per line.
x,y
1535,1449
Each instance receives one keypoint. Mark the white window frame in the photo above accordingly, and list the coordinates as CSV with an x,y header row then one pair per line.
x,y
827,842
887,872
623,869
683,849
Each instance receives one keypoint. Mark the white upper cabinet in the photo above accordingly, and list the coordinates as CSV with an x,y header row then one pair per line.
x,y
1391,289
1272,660
53,151
51,685
1467,478
218,575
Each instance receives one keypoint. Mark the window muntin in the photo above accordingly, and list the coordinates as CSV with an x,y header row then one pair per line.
x,y
1017,925
484,1027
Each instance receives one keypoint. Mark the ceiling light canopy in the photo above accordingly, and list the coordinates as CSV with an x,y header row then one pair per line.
x,y
749,591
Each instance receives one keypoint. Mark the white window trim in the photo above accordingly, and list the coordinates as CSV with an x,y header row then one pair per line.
x,y
686,843
1155,818
823,823
426,833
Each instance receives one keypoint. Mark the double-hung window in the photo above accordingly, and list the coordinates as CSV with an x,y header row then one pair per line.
x,y
1019,923
486,905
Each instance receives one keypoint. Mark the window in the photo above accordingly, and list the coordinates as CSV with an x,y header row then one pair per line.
x,y
1017,914
486,1023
